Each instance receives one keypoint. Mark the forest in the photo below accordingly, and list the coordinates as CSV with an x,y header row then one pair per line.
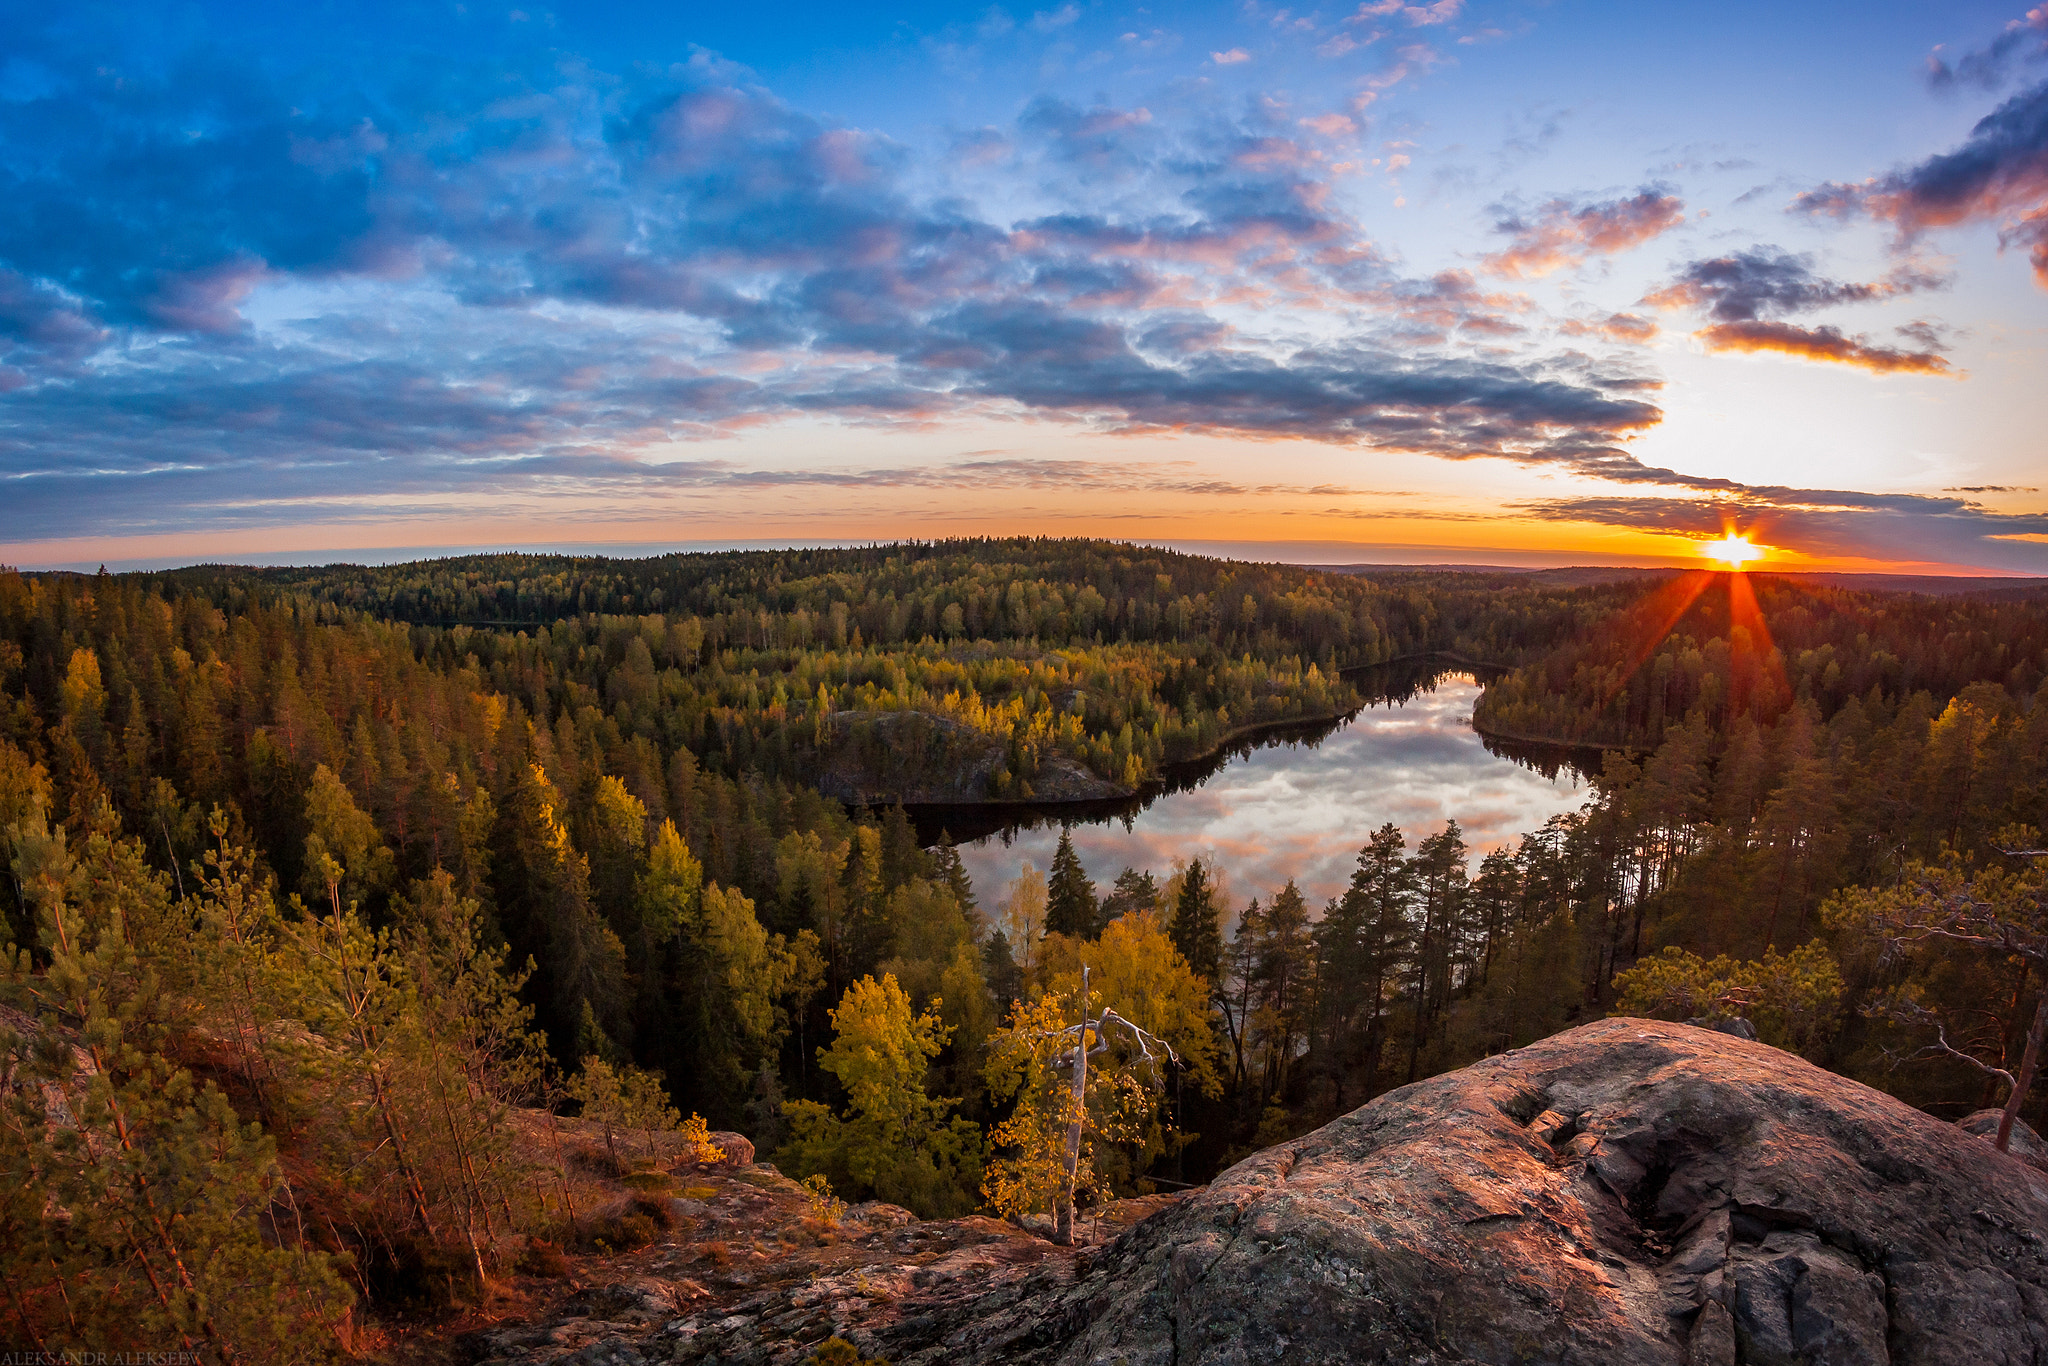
x,y
327,885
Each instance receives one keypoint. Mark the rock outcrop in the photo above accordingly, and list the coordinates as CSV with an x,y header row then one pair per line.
x,y
2024,1143
879,758
738,1148
1628,1193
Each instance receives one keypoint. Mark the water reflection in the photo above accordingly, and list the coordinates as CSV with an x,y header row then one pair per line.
x,y
1298,804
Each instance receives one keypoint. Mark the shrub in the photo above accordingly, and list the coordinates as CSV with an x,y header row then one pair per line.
x,y
543,1259
602,1161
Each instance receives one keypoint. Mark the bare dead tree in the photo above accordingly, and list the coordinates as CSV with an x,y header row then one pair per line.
x,y
1091,1038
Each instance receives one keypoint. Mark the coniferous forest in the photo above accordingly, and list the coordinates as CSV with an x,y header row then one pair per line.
x,y
334,892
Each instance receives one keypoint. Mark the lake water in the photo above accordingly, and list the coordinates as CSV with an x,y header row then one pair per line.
x,y
1298,806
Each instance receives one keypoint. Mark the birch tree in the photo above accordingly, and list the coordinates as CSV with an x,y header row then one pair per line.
x,y
1063,1102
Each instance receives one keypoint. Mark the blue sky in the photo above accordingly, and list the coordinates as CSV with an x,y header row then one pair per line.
x,y
1500,282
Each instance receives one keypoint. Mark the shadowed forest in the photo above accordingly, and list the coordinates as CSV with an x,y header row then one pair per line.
x,y
329,887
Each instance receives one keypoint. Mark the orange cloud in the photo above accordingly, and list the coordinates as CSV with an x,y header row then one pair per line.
x,y
1820,343
1633,328
1564,235
1999,174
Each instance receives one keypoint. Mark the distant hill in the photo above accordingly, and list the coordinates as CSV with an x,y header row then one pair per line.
x,y
1580,576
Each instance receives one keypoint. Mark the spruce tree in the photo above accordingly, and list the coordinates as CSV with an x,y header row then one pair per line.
x,y
1069,896
1195,931
999,967
949,870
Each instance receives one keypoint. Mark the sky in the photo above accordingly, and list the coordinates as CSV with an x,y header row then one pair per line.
x,y
1461,281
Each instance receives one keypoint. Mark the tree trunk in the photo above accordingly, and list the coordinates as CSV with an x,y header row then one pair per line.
x,y
2030,1061
1063,1212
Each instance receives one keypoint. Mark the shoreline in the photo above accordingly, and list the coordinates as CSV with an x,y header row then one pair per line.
x,y
1156,787
1181,771
1546,742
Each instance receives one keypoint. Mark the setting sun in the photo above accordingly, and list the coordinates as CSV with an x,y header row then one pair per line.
x,y
1732,550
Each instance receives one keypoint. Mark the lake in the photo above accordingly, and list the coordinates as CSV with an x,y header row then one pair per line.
x,y
1297,804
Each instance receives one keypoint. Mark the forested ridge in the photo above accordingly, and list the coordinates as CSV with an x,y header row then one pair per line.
x,y
555,829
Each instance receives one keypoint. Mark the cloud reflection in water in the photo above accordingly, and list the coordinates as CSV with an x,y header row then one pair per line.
x,y
1302,810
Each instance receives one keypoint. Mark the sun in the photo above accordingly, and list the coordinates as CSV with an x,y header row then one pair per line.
x,y
1733,551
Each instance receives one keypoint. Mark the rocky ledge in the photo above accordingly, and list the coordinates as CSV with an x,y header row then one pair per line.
x,y
1627,1192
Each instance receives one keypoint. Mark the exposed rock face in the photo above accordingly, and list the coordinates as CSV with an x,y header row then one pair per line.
x,y
877,758
2023,1143
1626,1193
738,1148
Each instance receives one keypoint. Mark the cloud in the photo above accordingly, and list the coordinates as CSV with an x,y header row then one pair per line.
x,y
1999,174
1563,233
1631,328
535,284
1766,281
2023,39
1233,57
1417,16
1746,295
1050,21
1825,523
1820,343
515,284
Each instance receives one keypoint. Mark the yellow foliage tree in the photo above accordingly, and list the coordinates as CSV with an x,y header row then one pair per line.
x,y
1078,1085
894,1139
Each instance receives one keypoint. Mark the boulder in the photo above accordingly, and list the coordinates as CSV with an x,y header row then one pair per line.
x,y
878,1214
738,1148
1628,1193
2023,1143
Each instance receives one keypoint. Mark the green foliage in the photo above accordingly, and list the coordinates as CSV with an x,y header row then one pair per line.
x,y
610,771
1132,891
1724,647
346,860
624,1097
1792,999
1057,1148
131,1192
1196,932
894,1141
1134,969
1070,907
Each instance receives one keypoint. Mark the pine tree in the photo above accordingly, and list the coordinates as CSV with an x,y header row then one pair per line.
x,y
132,1194
1362,947
1132,891
1070,907
1439,870
1283,977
